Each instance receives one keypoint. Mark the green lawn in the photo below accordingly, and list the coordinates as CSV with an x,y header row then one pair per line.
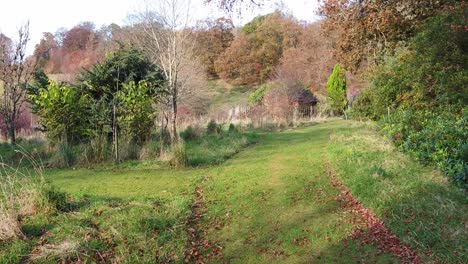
x,y
222,94
271,203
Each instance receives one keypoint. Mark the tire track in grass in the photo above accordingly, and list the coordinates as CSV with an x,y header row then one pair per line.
x,y
370,229
199,249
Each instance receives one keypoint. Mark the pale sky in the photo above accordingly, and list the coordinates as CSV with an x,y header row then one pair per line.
x,y
50,15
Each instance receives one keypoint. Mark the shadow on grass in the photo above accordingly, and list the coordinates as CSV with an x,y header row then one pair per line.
x,y
36,230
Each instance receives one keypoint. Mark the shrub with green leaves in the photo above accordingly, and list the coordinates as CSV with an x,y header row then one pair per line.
x,y
189,134
362,107
63,112
336,89
135,111
438,138
257,96
420,96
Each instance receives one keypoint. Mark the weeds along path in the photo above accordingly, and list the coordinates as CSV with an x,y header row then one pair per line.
x,y
274,203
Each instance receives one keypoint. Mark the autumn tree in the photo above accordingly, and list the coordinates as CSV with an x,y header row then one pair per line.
x,y
310,61
80,37
253,55
67,52
15,73
42,51
212,39
369,27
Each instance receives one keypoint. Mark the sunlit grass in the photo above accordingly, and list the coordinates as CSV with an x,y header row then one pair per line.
x,y
417,203
270,203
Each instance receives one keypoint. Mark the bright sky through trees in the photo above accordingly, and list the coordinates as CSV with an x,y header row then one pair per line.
x,y
50,15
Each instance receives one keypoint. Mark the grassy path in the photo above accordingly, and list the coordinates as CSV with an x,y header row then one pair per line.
x,y
272,203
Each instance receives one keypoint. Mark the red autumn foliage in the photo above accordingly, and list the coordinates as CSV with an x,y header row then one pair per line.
x,y
212,38
69,51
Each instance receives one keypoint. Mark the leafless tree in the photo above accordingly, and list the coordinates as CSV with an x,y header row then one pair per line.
x,y
166,37
15,73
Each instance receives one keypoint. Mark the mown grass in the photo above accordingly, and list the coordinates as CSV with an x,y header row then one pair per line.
x,y
274,203
270,203
418,204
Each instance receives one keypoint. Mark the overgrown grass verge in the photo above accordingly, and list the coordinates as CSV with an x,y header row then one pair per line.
x,y
21,195
215,148
14,155
417,203
103,230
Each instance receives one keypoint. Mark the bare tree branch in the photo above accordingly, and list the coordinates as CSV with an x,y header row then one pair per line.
x,y
166,36
15,73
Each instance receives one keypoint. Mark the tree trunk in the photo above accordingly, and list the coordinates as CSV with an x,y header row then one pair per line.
x,y
175,137
161,135
12,134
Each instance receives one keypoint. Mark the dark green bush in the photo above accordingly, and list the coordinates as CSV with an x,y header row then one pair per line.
x,y
213,128
189,134
362,107
420,93
433,138
232,128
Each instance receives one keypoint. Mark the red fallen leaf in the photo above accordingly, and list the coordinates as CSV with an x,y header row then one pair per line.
x,y
378,233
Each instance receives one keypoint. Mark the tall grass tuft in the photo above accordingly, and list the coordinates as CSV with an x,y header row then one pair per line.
x,y
129,150
178,156
151,150
97,150
21,195
63,156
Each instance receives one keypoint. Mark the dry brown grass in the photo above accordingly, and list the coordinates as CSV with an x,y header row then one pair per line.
x,y
21,195
64,249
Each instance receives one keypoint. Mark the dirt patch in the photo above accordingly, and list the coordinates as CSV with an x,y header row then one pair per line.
x,y
370,229
199,249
